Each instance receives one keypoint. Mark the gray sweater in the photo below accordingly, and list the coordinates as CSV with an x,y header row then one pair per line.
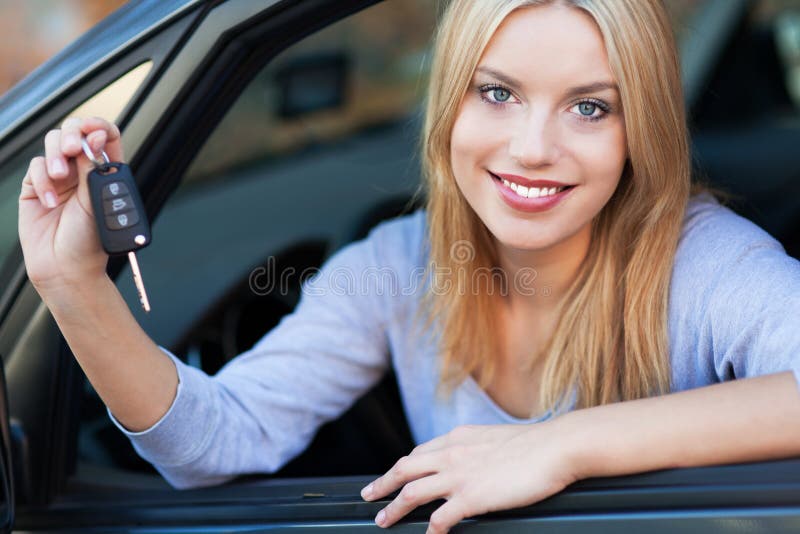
x,y
734,312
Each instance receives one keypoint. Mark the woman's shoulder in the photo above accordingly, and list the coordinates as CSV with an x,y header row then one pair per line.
x,y
400,241
390,243
735,294
389,260
409,225
715,234
724,255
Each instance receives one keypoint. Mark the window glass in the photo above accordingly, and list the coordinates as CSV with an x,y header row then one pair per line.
x,y
681,13
364,72
111,101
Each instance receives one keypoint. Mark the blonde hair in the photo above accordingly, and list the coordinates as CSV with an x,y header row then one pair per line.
x,y
610,343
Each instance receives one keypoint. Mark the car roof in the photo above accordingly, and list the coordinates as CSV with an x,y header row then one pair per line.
x,y
128,24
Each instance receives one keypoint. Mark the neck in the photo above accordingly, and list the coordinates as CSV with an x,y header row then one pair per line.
x,y
555,270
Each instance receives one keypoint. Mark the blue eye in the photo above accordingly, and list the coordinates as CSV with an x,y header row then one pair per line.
x,y
591,110
501,95
495,94
587,109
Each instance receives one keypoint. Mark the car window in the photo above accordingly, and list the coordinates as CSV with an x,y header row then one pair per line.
x,y
321,143
108,103
111,101
362,73
682,13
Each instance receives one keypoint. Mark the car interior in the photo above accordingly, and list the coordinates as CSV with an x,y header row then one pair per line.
x,y
305,150
339,113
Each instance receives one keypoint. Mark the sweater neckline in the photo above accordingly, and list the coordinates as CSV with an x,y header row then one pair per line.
x,y
474,389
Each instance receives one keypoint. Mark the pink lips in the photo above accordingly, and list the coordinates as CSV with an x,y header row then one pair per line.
x,y
528,205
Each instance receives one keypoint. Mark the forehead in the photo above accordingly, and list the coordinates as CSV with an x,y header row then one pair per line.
x,y
550,43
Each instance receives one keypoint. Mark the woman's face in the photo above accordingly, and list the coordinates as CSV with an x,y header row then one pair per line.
x,y
539,144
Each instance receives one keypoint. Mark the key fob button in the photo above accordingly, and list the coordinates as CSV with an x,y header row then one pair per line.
x,y
116,205
114,189
121,221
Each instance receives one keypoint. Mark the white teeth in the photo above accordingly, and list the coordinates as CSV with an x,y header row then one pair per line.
x,y
532,192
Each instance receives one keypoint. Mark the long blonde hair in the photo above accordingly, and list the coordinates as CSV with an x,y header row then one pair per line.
x,y
610,342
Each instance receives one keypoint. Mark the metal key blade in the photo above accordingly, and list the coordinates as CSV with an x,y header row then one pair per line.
x,y
137,279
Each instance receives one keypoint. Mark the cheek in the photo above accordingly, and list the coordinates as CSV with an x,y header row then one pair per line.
x,y
603,156
468,140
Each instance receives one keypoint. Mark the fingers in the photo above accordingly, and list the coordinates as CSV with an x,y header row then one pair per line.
x,y
27,192
71,137
57,165
413,494
58,172
38,183
446,517
433,445
405,470
460,435
101,135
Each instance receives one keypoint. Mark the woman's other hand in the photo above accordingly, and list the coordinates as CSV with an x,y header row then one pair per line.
x,y
56,225
477,469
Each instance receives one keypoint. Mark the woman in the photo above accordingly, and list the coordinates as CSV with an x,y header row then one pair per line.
x,y
571,284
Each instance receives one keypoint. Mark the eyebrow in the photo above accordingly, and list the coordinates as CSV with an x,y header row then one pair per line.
x,y
592,88
573,91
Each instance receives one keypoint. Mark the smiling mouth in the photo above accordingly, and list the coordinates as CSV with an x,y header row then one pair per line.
x,y
531,192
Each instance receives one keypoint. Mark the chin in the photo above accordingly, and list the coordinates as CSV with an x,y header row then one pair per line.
x,y
528,241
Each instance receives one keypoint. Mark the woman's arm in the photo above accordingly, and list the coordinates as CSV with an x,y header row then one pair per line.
x,y
67,266
483,468
264,406
132,376
739,421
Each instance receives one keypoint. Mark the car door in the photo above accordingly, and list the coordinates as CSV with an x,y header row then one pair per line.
x,y
224,207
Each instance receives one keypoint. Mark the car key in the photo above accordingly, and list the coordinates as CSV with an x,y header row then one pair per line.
x,y
119,213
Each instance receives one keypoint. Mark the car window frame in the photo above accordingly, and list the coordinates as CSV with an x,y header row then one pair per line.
x,y
17,297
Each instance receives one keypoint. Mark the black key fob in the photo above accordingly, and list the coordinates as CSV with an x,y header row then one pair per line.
x,y
118,209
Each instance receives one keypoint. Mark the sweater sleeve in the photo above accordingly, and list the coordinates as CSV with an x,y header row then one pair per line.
x,y
754,313
264,407
740,292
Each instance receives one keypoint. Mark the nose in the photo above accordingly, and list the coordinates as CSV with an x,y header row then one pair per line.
x,y
533,141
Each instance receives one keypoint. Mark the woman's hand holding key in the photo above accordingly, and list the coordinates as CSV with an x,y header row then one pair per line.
x,y
67,265
57,229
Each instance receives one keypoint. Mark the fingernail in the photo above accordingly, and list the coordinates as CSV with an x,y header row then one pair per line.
x,y
366,493
57,166
380,518
50,200
72,141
